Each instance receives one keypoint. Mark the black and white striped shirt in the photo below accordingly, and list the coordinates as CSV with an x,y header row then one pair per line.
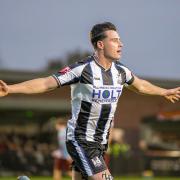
x,y
94,96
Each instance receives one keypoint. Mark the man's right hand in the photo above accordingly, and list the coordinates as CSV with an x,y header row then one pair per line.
x,y
3,89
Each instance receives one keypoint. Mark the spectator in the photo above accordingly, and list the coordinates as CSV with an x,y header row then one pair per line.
x,y
62,159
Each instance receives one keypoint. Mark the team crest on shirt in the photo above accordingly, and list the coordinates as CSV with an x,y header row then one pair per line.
x,y
96,161
65,70
119,79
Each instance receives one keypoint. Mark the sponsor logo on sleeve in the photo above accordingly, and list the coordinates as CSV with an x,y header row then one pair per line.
x,y
65,70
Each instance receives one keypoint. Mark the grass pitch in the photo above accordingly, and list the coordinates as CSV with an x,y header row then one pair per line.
x,y
117,178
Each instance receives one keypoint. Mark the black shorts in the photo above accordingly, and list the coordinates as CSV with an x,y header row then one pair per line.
x,y
87,157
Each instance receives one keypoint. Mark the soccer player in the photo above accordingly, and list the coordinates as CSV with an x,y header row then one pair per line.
x,y
96,85
62,159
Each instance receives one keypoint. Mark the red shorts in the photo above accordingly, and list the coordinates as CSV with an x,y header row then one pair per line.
x,y
62,164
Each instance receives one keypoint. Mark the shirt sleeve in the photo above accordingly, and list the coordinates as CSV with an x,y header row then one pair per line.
x,y
68,75
129,76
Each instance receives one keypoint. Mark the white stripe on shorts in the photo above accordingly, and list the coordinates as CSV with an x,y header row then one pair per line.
x,y
83,158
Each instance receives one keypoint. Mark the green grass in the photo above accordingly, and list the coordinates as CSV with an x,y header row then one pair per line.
x,y
120,178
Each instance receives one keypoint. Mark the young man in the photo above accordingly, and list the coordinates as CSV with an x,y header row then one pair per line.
x,y
96,85
62,159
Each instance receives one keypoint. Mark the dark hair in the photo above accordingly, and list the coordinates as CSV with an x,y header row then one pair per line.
x,y
97,32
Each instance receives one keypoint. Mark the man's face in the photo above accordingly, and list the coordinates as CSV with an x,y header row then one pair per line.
x,y
112,45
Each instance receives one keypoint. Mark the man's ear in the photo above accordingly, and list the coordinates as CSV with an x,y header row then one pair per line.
x,y
100,45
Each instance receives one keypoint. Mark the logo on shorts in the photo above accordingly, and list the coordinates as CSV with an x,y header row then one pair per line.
x,y
96,161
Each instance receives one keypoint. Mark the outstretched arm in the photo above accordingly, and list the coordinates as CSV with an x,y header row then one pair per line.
x,y
144,87
39,85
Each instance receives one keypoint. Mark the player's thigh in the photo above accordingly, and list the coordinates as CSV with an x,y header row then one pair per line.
x,y
104,175
76,175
